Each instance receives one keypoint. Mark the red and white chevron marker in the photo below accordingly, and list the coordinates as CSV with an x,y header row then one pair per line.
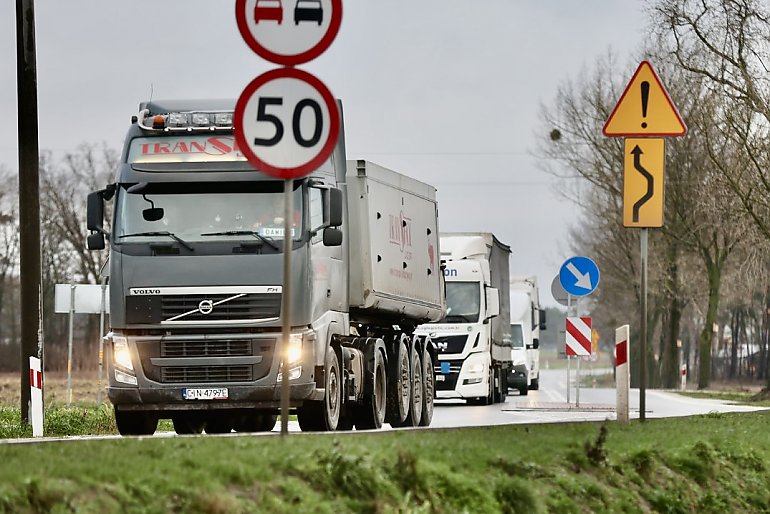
x,y
36,396
578,336
622,374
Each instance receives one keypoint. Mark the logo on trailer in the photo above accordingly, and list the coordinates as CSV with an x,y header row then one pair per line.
x,y
448,272
206,306
400,230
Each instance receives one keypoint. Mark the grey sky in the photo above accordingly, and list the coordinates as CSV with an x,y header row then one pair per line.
x,y
445,91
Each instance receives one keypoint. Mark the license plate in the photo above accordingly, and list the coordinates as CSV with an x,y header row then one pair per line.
x,y
205,394
440,378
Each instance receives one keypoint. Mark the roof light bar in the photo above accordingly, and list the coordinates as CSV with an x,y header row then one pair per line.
x,y
186,121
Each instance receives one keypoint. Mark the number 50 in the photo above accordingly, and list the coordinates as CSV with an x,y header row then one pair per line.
x,y
263,115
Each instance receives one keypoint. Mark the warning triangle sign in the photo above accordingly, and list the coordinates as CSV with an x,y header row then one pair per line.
x,y
645,109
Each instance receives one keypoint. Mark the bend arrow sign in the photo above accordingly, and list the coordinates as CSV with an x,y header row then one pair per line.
x,y
579,275
643,171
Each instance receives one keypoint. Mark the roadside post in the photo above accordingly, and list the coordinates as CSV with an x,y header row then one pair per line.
x,y
36,396
683,386
578,277
645,113
622,374
286,120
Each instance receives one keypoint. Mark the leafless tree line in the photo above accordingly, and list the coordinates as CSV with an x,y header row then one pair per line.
x,y
709,271
64,185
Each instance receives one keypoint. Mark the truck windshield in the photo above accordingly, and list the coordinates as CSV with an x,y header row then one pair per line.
x,y
197,212
517,338
463,301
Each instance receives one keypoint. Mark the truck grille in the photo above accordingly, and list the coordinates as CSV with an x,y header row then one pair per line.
x,y
206,308
450,344
449,380
199,374
226,348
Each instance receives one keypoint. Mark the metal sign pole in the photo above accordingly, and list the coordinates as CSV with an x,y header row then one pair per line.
x,y
69,344
643,327
286,303
569,312
577,381
101,342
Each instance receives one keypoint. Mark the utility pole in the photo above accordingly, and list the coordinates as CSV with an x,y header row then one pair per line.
x,y
29,194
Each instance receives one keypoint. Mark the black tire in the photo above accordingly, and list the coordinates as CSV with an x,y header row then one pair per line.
x,y
496,391
255,422
399,385
136,423
535,384
416,389
188,423
370,414
503,385
219,424
523,391
324,415
428,390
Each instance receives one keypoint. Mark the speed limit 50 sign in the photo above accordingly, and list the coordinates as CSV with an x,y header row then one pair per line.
x,y
287,123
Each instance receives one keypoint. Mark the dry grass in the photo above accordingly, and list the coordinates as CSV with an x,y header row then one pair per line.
x,y
84,388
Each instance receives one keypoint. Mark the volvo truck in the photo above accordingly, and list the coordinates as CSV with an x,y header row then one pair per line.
x,y
195,283
527,319
473,340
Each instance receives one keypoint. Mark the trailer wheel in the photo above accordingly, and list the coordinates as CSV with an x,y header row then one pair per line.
x,y
371,413
315,416
535,384
255,422
222,424
188,423
415,399
399,385
428,390
135,423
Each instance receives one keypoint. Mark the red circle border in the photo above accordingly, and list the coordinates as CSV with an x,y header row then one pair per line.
x,y
289,60
334,123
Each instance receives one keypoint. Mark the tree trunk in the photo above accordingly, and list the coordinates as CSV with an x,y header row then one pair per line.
x,y
714,272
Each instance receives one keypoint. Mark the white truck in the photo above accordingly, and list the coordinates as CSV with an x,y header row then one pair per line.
x,y
527,319
195,284
473,340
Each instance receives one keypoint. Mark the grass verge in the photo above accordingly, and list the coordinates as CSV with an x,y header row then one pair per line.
x,y
712,463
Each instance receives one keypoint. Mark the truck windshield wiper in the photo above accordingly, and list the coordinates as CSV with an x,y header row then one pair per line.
x,y
461,316
161,233
259,236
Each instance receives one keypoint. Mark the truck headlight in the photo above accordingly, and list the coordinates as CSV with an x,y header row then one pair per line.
x,y
121,355
474,369
294,349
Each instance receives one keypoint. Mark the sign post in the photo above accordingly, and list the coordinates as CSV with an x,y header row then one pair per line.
x,y
644,111
286,120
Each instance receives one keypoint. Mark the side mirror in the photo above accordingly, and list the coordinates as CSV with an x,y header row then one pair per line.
x,y
95,241
153,214
332,237
535,344
493,302
95,212
542,319
335,207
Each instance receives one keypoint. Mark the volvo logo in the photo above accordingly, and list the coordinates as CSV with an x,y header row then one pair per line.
x,y
206,306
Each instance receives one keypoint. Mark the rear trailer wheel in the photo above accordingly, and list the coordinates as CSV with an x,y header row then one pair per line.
x,y
315,416
416,382
428,389
370,414
535,384
135,423
219,424
254,422
399,385
188,423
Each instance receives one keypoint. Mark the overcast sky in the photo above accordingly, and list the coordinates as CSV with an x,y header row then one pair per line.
x,y
446,91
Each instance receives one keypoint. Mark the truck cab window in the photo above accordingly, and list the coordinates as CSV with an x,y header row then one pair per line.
x,y
315,206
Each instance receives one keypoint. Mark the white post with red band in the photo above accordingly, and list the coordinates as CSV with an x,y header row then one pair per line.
x,y
684,377
36,396
622,374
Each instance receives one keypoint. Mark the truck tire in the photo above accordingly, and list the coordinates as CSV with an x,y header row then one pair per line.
x,y
135,423
416,388
324,415
523,391
535,384
428,389
497,393
222,424
188,423
370,414
399,384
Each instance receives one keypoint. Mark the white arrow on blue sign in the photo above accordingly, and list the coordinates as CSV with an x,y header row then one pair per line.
x,y
579,275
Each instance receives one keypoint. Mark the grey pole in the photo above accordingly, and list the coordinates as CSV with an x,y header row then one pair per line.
x,y
69,343
286,302
101,341
569,312
643,328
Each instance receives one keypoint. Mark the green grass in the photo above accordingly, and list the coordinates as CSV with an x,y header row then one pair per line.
x,y
741,397
712,463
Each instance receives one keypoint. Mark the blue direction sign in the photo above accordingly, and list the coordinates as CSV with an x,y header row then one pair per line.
x,y
579,275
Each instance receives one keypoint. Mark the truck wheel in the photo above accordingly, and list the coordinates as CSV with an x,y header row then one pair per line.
x,y
324,416
136,423
428,390
254,422
415,399
399,385
188,423
535,384
371,413
503,385
523,391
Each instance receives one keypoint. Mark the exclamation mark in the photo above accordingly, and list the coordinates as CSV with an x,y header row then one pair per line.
x,y
645,96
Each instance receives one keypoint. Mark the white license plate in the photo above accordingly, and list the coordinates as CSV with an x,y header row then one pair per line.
x,y
205,394
440,378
